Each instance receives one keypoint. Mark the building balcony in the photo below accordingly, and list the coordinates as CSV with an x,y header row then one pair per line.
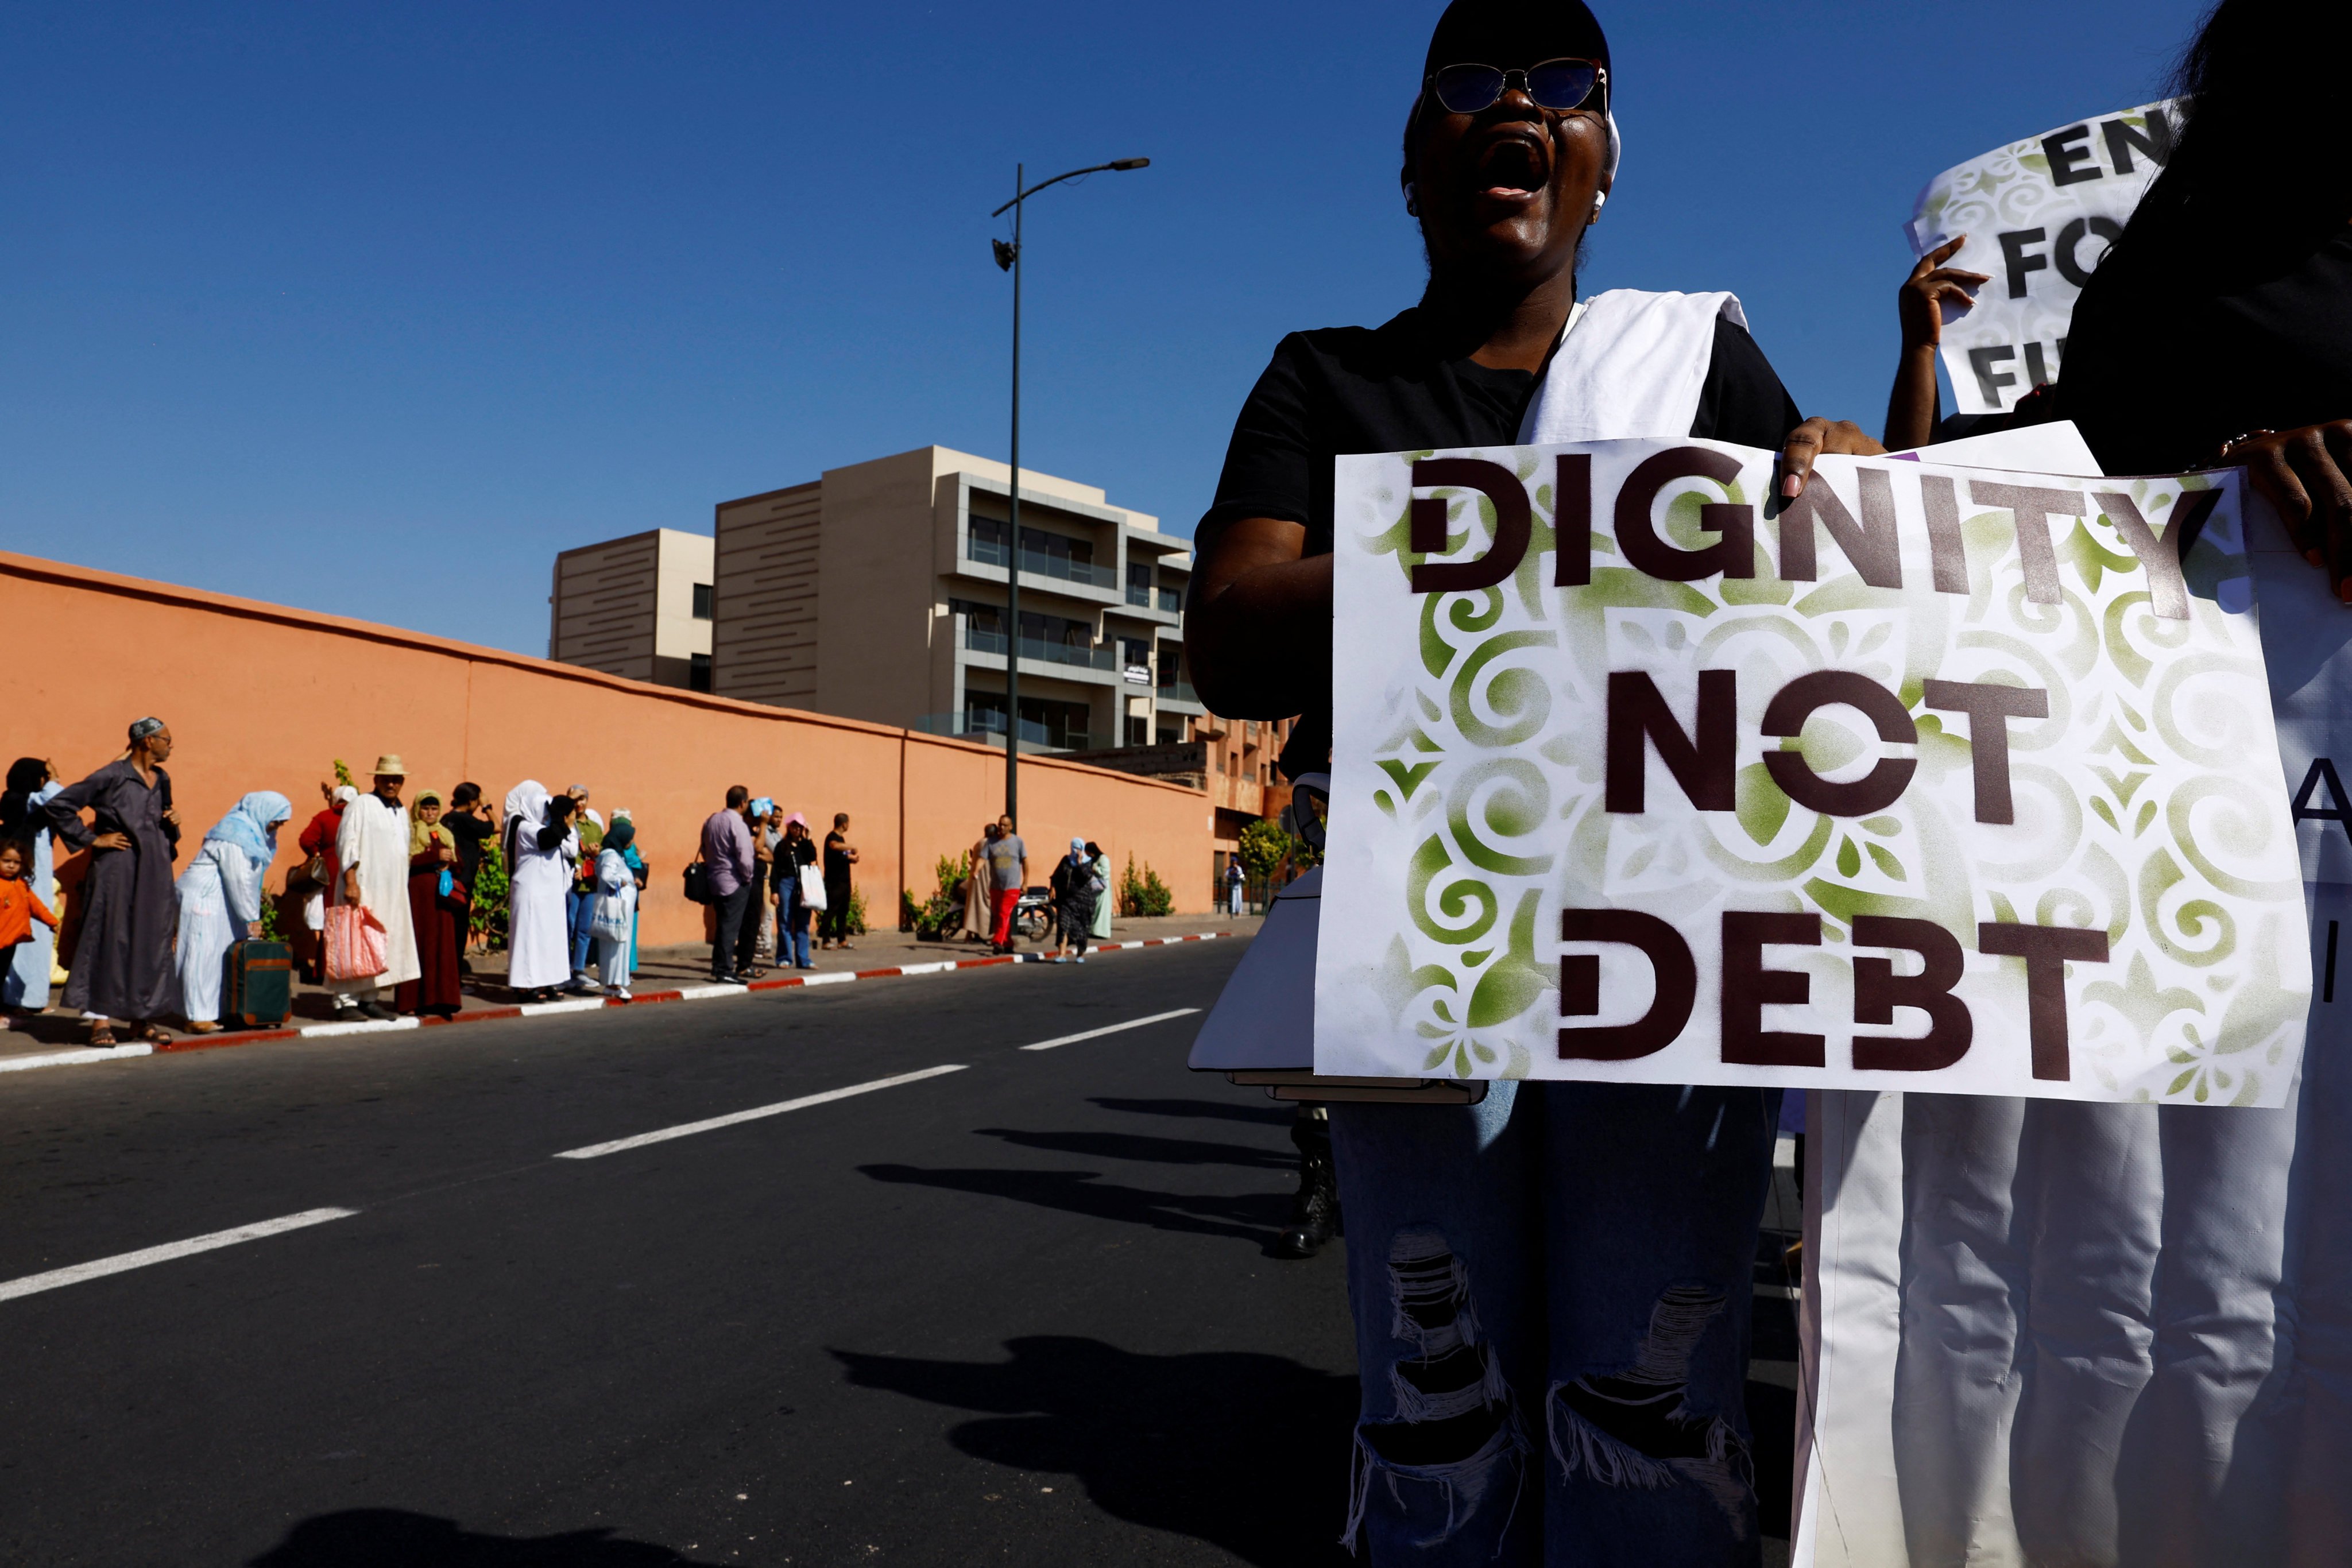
x,y
989,728
1179,694
1036,650
1037,563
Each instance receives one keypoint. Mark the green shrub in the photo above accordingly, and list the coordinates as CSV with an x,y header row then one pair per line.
x,y
943,913
486,921
1144,893
857,911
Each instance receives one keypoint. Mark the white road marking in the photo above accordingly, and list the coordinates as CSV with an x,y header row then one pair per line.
x,y
705,993
124,1262
942,966
359,1026
1111,1028
687,1130
569,1005
70,1058
837,978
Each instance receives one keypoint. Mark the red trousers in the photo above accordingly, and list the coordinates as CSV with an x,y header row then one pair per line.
x,y
1006,900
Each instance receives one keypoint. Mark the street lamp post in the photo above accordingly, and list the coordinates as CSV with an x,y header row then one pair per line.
x,y
1008,259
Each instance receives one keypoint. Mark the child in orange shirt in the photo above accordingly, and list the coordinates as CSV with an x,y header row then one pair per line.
x,y
19,905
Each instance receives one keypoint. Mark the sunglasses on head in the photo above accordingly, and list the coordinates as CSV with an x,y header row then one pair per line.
x,y
1559,83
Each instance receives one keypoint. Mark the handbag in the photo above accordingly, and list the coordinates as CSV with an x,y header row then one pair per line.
x,y
311,874
698,882
813,887
611,920
355,945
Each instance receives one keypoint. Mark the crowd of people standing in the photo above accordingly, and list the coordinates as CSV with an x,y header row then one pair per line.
x,y
379,911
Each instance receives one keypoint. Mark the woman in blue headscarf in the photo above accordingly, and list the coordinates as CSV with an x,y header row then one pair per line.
x,y
220,900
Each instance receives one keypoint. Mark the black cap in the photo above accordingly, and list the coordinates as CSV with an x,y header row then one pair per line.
x,y
1514,33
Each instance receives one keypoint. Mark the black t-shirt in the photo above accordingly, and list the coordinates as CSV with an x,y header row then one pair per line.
x,y
836,858
2157,381
471,833
1346,390
791,855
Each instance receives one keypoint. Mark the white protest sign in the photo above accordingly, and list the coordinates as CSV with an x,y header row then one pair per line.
x,y
1939,780
2039,214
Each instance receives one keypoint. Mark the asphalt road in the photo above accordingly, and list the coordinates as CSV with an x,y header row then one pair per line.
x,y
1018,1312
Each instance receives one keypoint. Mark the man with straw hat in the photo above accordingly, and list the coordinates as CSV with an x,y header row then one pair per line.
x,y
372,846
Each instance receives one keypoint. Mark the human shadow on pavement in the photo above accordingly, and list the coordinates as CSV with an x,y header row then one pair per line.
x,y
1152,1151
1246,1451
1249,1216
395,1538
1226,1110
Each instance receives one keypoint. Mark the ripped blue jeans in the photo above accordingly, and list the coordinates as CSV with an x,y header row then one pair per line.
x,y
1551,1296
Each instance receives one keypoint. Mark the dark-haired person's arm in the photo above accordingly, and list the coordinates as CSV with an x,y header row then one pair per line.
x,y
1257,635
2303,474
1912,403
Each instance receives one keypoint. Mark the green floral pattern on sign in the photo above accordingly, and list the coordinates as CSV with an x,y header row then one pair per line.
x,y
1471,764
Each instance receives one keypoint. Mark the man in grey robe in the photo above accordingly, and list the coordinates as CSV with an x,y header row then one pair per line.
x,y
123,964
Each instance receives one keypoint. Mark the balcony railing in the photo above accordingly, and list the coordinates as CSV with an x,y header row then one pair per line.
x,y
1179,692
1037,563
1171,601
1037,649
986,726
1138,593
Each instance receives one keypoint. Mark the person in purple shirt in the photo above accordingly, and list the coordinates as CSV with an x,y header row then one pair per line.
x,y
727,850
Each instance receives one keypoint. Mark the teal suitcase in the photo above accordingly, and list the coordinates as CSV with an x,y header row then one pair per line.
x,y
260,989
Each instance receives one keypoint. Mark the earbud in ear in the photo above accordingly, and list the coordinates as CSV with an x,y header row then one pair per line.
x,y
1600,200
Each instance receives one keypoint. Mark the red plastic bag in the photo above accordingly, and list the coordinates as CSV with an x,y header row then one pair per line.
x,y
355,949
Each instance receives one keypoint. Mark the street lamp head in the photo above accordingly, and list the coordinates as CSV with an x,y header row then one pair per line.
x,y
1125,164
1005,254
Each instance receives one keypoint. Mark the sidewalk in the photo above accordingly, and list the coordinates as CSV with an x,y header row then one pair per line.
x,y
680,972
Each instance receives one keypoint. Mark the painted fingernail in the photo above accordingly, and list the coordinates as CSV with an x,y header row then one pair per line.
x,y
1792,485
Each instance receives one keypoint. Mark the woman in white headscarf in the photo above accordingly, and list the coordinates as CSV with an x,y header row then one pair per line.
x,y
220,900
541,850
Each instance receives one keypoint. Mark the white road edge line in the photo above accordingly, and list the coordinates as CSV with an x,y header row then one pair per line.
x,y
122,1262
687,1130
73,1058
1111,1028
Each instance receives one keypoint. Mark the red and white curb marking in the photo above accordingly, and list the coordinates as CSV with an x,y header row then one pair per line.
x,y
704,993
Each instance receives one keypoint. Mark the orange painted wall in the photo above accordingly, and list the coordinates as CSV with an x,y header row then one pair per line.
x,y
259,696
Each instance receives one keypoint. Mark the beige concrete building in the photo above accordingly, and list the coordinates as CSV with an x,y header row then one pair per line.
x,y
878,591
638,607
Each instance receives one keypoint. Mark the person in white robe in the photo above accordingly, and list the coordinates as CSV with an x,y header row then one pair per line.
x,y
220,900
616,918
25,978
542,850
372,846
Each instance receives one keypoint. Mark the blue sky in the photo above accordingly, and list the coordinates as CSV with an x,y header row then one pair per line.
x,y
371,310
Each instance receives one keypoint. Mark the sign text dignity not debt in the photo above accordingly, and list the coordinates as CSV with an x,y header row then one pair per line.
x,y
1931,779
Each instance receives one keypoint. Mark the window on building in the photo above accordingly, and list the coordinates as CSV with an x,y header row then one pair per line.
x,y
1139,583
702,601
1221,760
1138,729
697,671
1043,720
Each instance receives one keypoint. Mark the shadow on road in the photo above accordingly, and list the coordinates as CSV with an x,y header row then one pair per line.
x,y
1248,1452
1153,1151
1226,1110
393,1538
1252,1217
